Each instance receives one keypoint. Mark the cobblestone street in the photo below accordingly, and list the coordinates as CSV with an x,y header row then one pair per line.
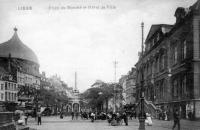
x,y
55,123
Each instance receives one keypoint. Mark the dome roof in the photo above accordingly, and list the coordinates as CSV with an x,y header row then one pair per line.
x,y
17,49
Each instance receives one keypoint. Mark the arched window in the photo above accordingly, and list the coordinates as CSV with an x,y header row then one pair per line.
x,y
152,67
184,49
175,88
157,69
175,54
162,61
184,87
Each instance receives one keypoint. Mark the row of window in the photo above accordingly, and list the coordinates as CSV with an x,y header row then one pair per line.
x,y
9,86
153,41
179,89
2,96
160,63
27,79
31,69
8,96
175,50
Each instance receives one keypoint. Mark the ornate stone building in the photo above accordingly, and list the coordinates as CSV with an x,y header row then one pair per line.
x,y
170,64
19,71
131,87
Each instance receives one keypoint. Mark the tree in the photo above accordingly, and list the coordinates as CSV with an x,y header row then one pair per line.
x,y
51,97
97,95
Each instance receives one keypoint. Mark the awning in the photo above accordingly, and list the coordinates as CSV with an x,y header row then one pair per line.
x,y
24,99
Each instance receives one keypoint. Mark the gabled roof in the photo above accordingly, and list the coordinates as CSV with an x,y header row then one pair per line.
x,y
156,27
196,6
17,49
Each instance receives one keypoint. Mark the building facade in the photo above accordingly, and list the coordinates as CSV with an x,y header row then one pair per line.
x,y
131,87
122,82
19,71
169,68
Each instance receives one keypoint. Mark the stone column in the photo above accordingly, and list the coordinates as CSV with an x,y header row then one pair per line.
x,y
196,57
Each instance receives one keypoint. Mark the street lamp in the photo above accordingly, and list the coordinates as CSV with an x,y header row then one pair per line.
x,y
37,88
100,93
142,112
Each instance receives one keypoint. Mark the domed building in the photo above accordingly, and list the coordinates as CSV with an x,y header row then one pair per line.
x,y
19,72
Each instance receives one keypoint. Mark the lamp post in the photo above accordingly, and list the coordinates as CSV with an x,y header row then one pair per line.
x,y
37,88
142,112
169,88
114,99
100,93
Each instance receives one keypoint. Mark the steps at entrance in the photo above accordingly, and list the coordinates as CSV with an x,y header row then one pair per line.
x,y
149,107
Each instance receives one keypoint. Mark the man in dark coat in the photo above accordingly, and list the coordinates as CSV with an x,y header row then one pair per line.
x,y
72,114
124,116
176,119
39,115
77,115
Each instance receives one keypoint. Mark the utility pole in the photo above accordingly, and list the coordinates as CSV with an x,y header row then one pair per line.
x,y
115,74
115,66
75,87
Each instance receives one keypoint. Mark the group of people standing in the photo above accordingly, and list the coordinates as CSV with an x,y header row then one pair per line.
x,y
117,118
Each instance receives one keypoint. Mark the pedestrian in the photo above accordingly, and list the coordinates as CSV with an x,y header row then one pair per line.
x,y
26,117
131,115
124,116
109,118
61,115
176,119
81,113
92,117
77,115
118,119
168,115
166,118
135,114
148,120
16,117
39,115
72,114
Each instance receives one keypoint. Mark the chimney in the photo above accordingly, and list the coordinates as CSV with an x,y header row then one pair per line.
x,y
180,14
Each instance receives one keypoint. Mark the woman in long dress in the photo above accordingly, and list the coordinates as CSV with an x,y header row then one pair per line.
x,y
148,120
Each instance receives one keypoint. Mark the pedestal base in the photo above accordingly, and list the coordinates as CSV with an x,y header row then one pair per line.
x,y
142,124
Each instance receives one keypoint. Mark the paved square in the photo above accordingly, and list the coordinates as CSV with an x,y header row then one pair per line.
x,y
55,123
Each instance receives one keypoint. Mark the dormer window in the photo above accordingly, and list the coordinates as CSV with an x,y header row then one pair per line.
x,y
184,49
175,55
158,36
153,41
148,46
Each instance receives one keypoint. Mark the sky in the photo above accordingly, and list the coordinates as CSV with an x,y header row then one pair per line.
x,y
85,36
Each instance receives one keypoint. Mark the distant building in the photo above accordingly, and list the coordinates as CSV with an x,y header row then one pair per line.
x,y
170,66
128,83
122,82
131,87
45,82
